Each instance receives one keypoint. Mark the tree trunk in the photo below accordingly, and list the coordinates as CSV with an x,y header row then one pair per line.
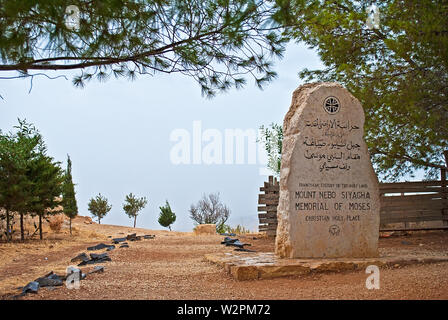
x,y
99,220
40,227
169,227
7,225
135,219
22,233
70,225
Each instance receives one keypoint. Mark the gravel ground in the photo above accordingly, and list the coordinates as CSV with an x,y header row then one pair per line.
x,y
172,266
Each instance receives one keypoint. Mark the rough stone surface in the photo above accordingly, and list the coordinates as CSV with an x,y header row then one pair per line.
x,y
266,265
205,229
329,199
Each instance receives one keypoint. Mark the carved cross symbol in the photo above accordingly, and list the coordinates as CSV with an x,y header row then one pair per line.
x,y
334,230
331,105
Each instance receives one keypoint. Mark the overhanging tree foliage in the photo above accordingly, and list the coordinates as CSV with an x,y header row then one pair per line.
x,y
399,72
215,42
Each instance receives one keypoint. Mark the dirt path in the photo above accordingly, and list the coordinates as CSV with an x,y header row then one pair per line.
x,y
172,267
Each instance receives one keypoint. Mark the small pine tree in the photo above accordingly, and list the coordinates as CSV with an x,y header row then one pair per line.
x,y
69,196
99,207
133,205
167,217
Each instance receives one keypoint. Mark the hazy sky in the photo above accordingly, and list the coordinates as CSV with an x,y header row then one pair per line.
x,y
118,137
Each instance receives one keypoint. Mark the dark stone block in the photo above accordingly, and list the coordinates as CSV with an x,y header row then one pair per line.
x,y
97,269
234,242
52,280
244,250
118,240
94,256
99,247
131,236
32,287
80,257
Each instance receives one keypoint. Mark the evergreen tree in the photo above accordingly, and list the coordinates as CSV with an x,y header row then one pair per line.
x,y
167,217
17,150
133,205
99,207
69,196
47,179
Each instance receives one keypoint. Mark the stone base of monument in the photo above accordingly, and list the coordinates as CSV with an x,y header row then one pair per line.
x,y
265,265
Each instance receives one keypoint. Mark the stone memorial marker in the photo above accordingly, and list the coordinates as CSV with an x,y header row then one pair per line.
x,y
329,199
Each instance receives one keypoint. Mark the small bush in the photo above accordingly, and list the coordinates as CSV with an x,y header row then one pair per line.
x,y
56,223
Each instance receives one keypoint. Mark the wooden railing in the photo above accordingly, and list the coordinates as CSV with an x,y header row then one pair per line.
x,y
409,204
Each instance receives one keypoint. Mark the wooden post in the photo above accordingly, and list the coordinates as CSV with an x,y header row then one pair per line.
x,y
444,186
406,224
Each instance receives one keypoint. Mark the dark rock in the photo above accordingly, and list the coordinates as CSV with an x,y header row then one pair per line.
x,y
99,247
80,257
237,244
131,236
234,242
228,234
405,242
244,250
149,236
32,287
97,269
51,280
110,248
118,240
228,240
124,246
94,256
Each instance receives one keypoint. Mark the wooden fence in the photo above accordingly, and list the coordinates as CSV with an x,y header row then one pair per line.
x,y
421,205
414,205
268,211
